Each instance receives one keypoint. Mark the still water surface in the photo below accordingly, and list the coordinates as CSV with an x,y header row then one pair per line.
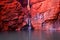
x,y
30,35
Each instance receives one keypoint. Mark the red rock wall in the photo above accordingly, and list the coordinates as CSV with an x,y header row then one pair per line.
x,y
48,9
12,15
44,13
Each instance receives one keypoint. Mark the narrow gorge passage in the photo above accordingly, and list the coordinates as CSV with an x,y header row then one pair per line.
x,y
16,15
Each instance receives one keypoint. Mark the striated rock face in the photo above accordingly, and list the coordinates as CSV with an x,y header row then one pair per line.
x,y
45,14
12,15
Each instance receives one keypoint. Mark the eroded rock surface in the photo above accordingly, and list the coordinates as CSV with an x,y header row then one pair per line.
x,y
12,15
48,9
44,14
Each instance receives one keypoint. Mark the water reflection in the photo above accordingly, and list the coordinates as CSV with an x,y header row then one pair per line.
x,y
30,35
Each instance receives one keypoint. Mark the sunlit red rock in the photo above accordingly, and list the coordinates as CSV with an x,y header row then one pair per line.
x,y
49,9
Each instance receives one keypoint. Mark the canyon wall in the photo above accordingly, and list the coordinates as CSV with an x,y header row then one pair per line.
x,y
45,14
